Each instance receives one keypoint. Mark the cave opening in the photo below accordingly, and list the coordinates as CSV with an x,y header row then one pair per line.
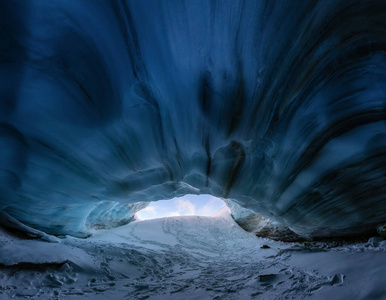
x,y
188,205
276,106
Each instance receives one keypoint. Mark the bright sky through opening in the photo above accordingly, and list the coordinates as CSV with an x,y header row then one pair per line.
x,y
188,205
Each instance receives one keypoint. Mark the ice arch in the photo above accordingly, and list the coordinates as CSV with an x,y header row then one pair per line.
x,y
278,106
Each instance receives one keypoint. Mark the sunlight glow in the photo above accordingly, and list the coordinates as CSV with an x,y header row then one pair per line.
x,y
188,205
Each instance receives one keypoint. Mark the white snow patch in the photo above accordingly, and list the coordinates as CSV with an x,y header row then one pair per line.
x,y
188,258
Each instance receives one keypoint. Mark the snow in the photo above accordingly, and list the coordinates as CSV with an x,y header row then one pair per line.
x,y
197,205
276,107
188,258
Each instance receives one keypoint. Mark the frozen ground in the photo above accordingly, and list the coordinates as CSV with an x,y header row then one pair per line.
x,y
188,258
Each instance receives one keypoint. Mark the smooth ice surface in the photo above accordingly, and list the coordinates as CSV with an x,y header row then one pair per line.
x,y
188,258
277,106
189,205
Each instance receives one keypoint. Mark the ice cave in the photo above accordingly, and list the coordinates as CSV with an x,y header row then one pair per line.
x,y
277,108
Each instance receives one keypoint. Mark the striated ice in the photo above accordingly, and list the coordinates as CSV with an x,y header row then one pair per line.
x,y
278,107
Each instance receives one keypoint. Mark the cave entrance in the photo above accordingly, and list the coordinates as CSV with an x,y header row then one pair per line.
x,y
188,205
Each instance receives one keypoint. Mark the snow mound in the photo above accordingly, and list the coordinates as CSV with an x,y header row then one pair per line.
x,y
187,258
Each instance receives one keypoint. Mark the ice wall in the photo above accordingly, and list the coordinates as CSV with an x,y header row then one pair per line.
x,y
277,105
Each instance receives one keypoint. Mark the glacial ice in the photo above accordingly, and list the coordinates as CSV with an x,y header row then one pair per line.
x,y
275,106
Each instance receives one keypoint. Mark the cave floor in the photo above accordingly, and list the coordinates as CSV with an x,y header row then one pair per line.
x,y
188,258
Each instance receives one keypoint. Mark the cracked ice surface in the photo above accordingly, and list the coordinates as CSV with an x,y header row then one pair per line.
x,y
278,106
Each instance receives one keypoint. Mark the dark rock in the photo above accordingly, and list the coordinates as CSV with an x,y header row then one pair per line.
x,y
381,229
266,277
266,228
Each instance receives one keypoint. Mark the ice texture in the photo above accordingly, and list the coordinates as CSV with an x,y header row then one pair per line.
x,y
277,106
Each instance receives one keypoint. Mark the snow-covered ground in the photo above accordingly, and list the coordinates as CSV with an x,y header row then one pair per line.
x,y
188,258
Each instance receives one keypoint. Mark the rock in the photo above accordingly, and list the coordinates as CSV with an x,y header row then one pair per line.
x,y
266,277
266,228
381,229
374,241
